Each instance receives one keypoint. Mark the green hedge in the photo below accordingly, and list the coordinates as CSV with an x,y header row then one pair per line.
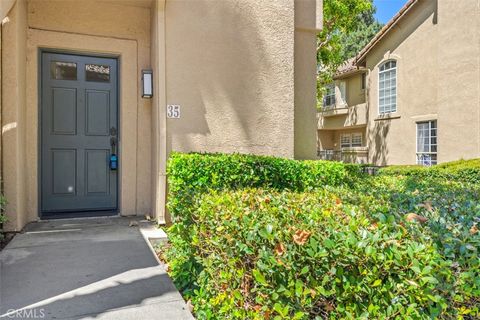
x,y
461,170
236,247
190,175
301,255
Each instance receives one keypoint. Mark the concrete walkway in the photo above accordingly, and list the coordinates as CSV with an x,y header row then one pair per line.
x,y
85,269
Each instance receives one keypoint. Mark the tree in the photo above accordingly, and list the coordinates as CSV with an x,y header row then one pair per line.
x,y
348,26
354,41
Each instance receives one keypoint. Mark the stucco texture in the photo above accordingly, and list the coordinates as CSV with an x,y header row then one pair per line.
x,y
232,74
438,78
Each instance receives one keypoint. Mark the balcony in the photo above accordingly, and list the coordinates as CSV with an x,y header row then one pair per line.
x,y
347,155
342,116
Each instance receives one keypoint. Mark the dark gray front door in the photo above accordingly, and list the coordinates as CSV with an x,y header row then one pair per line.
x,y
78,134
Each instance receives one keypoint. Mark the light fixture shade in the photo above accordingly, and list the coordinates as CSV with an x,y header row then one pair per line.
x,y
147,81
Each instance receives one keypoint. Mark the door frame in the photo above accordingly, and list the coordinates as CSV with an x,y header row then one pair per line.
x,y
64,215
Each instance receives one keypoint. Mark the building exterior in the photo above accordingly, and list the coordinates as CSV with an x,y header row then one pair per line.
x,y
412,95
79,135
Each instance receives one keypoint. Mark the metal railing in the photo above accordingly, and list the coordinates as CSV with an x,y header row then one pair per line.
x,y
331,155
347,156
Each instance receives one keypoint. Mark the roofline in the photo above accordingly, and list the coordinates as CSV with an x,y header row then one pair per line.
x,y
386,28
349,73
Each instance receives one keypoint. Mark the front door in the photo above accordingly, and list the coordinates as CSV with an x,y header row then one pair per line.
x,y
79,118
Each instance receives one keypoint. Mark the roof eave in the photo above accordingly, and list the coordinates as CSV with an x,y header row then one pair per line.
x,y
386,28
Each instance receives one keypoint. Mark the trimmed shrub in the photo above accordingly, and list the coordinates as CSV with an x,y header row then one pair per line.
x,y
462,171
305,255
190,175
259,237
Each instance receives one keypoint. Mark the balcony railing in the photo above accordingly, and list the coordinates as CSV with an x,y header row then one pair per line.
x,y
331,155
347,155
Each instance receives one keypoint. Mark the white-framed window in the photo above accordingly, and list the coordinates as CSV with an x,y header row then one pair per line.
x,y
427,143
349,140
387,87
345,140
356,139
329,99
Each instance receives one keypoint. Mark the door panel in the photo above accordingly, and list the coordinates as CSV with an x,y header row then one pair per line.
x,y
96,171
64,111
63,171
78,112
98,113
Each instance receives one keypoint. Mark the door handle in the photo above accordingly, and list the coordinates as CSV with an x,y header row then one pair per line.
x,y
113,152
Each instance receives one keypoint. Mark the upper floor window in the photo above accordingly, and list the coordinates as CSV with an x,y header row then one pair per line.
x,y
364,81
329,99
387,87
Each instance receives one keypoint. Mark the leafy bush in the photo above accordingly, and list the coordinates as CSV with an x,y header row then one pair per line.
x,y
190,175
259,237
462,170
301,255
452,210
3,217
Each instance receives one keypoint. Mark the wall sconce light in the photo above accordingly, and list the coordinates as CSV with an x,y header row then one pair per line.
x,y
147,81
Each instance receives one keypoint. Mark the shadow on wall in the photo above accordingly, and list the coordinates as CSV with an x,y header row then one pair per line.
x,y
353,115
220,71
378,142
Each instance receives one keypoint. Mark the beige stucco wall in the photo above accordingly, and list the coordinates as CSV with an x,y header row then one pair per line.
x,y
437,78
458,95
305,62
354,93
232,73
13,114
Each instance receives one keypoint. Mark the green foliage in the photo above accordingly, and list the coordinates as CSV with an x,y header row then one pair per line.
x,y
3,217
261,244
303,255
461,170
348,26
354,41
192,175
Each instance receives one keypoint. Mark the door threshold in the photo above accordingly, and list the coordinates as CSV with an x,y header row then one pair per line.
x,y
78,215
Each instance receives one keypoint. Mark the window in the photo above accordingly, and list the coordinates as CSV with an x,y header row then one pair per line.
x,y
63,70
345,140
356,140
364,81
348,140
329,99
98,73
427,143
387,87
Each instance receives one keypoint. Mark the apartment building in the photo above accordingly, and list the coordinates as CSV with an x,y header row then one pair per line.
x,y
412,95
95,94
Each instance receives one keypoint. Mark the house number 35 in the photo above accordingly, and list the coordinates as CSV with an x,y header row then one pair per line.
x,y
173,111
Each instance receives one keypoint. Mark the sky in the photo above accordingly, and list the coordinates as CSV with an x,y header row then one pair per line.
x,y
386,9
